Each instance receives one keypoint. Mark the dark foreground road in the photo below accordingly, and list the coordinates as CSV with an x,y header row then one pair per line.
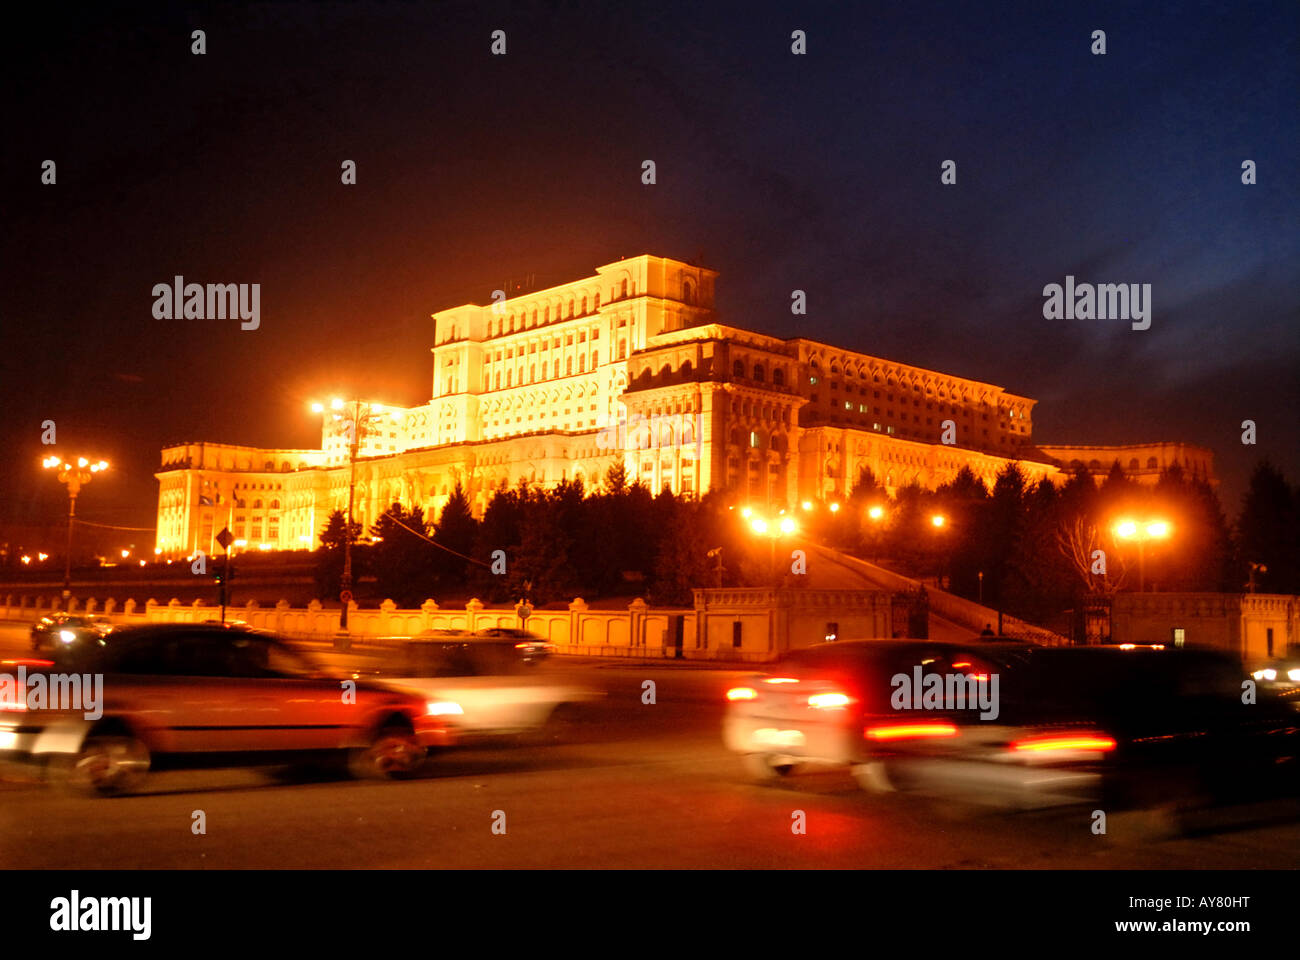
x,y
644,786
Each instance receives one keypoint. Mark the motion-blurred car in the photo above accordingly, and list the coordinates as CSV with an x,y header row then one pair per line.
x,y
1128,728
212,696
533,648
1281,673
67,630
831,704
490,686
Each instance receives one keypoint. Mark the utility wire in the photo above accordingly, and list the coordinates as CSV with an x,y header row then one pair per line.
x,y
427,539
108,526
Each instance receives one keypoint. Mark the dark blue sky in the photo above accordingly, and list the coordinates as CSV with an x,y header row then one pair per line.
x,y
818,172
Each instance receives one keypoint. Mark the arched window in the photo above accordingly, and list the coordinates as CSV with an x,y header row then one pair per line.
x,y
498,379
738,369
510,378
1133,464
778,377
1152,463
568,366
568,308
532,373
688,293
758,372
582,363
624,288
584,306
275,504
257,504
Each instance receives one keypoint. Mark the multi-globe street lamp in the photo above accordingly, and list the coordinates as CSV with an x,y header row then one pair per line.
x,y
1140,532
73,476
356,418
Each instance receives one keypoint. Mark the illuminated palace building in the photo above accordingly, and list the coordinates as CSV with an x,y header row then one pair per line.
x,y
628,363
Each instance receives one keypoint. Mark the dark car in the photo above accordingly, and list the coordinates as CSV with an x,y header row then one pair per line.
x,y
203,695
1126,728
63,630
532,647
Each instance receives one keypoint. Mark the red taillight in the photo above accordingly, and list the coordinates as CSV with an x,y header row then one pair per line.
x,y
742,693
911,731
1098,743
829,701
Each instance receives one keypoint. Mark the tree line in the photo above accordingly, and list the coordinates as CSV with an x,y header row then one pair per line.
x,y
1031,549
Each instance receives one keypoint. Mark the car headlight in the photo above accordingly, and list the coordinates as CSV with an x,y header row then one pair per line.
x,y
1293,674
67,636
442,708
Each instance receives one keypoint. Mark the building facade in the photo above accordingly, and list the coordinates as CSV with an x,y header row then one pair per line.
x,y
629,364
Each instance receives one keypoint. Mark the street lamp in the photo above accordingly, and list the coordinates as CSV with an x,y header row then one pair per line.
x,y
783,527
1141,532
359,418
74,477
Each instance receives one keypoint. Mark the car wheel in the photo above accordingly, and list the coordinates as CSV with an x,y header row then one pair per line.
x,y
105,766
872,777
764,766
1144,825
564,723
394,752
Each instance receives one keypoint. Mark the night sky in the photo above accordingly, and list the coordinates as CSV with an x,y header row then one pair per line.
x,y
817,172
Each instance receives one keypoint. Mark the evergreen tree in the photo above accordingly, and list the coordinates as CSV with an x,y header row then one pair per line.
x,y
456,530
1268,531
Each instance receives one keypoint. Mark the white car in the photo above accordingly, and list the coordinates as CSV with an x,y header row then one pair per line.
x,y
487,687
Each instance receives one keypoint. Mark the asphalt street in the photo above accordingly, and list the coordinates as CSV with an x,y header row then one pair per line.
x,y
639,785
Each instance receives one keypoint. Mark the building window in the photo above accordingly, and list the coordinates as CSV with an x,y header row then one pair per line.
x,y
1180,638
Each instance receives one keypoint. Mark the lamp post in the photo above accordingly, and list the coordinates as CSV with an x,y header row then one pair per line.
x,y
784,526
1141,533
73,476
355,418
938,522
876,514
